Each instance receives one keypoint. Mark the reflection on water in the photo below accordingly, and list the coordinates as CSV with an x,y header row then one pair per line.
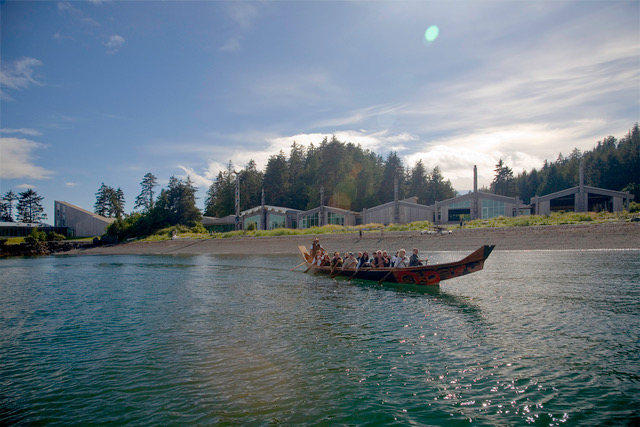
x,y
542,337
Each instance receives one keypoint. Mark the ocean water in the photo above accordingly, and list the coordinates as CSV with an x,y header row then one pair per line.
x,y
536,338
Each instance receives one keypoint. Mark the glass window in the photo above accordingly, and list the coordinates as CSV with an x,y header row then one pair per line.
x,y
334,218
492,208
277,221
309,221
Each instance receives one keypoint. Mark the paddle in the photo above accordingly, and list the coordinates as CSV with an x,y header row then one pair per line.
x,y
302,263
383,279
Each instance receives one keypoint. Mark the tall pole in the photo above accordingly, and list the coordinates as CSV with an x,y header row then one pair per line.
x,y
237,200
396,202
321,219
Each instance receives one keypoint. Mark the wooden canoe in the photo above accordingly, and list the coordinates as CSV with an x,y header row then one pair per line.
x,y
422,275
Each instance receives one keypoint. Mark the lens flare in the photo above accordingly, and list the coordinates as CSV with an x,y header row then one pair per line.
x,y
432,33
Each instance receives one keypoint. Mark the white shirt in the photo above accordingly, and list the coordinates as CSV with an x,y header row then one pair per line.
x,y
401,262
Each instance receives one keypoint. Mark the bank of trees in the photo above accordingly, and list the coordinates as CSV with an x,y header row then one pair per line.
x,y
175,205
348,176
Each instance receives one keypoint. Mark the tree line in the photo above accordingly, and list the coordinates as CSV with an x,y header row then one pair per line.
x,y
343,175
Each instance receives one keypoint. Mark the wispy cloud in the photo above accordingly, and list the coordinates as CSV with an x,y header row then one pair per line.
x,y
17,159
18,74
71,184
114,44
65,7
22,131
243,14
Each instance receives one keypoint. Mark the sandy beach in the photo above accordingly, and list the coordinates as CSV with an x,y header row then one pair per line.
x,y
581,236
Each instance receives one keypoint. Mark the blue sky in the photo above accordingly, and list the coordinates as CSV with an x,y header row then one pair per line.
x,y
106,91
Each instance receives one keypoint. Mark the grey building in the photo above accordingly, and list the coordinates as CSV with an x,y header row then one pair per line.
x,y
267,217
324,215
582,198
400,211
82,222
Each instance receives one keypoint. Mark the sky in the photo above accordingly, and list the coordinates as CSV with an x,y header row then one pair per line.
x,y
107,91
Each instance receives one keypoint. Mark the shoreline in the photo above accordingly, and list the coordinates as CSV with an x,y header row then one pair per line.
x,y
619,235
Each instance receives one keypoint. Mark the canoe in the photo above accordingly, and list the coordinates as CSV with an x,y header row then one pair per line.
x,y
430,275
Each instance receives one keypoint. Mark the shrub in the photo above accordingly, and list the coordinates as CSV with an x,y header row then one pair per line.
x,y
36,236
53,236
199,229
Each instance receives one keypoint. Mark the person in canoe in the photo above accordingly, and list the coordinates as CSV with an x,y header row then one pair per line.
x,y
315,247
349,261
401,260
414,261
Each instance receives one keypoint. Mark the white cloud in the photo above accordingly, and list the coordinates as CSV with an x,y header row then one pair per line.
x,y
26,186
71,184
204,179
114,44
23,131
17,159
18,74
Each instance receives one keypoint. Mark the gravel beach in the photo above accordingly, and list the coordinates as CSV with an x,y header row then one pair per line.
x,y
619,235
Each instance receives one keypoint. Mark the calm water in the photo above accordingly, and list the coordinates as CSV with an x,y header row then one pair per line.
x,y
541,338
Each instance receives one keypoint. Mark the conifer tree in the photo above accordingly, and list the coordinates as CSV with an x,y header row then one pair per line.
x,y
145,198
30,207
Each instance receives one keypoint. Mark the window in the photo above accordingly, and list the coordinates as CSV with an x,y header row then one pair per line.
x,y
492,208
309,221
277,221
334,218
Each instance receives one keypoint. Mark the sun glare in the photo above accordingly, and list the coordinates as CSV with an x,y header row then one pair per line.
x,y
432,33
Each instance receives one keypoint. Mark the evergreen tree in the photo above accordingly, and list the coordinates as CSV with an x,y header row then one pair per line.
x,y
177,204
250,186
298,195
220,200
417,185
145,199
437,188
6,208
276,180
109,202
503,183
30,207
102,201
393,169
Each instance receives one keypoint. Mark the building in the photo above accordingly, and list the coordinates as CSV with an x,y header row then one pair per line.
x,y
324,215
23,229
82,222
267,217
401,211
477,205
582,198
219,225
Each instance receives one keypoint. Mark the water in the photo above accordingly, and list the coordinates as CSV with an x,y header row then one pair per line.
x,y
540,338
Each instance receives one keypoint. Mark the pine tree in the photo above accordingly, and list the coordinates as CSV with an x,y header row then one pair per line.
x,y
145,199
6,208
29,207
102,201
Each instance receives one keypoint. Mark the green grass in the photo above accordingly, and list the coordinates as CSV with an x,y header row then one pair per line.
x,y
556,218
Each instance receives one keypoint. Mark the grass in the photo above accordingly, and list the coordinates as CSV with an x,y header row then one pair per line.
x,y
556,218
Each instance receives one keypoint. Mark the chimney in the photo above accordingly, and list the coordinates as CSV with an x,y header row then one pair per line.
x,y
475,178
